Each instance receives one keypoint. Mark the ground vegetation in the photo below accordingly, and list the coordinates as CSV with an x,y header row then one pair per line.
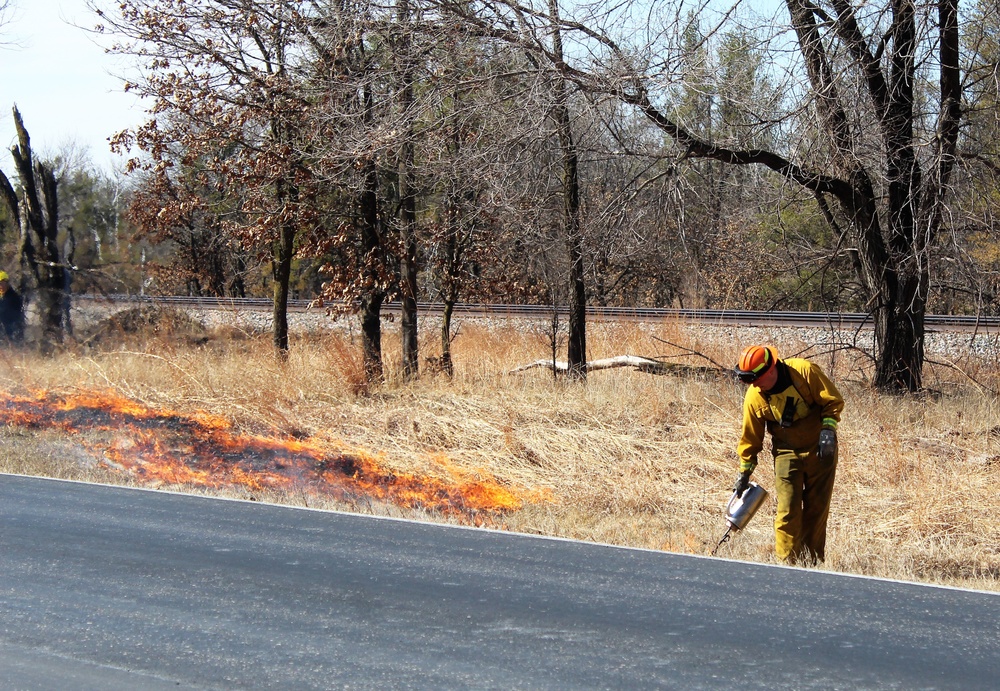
x,y
634,459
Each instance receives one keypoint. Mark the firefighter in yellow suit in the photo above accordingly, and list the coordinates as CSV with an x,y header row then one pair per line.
x,y
795,401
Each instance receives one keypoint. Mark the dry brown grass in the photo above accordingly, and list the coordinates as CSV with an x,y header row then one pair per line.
x,y
629,458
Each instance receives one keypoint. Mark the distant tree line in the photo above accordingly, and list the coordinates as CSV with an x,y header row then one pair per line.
x,y
837,156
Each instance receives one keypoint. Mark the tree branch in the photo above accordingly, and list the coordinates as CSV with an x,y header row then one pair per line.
x,y
642,364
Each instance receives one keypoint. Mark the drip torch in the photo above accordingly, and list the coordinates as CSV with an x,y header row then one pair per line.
x,y
739,510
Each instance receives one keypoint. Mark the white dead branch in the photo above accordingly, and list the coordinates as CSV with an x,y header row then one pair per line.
x,y
642,364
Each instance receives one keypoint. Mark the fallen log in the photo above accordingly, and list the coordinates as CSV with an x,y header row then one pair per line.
x,y
641,364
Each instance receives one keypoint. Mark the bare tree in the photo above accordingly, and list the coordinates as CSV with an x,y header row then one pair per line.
x,y
881,188
406,183
5,7
469,136
576,354
418,128
970,276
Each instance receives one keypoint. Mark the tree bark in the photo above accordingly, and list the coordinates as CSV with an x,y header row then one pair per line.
x,y
576,347
371,335
408,265
446,363
407,202
372,294
39,225
281,269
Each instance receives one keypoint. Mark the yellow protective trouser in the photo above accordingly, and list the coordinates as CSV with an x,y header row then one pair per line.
x,y
804,487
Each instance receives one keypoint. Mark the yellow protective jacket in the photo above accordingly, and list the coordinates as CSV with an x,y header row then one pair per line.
x,y
815,403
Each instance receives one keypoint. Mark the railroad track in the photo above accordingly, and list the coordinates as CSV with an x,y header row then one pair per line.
x,y
827,320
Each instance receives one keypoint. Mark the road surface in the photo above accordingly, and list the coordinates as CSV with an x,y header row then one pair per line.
x,y
113,588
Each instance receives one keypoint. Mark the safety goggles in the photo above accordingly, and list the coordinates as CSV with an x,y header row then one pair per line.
x,y
750,376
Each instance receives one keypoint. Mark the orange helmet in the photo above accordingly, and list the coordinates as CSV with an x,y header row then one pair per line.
x,y
755,362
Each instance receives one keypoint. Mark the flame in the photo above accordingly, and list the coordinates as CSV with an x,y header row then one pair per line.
x,y
202,450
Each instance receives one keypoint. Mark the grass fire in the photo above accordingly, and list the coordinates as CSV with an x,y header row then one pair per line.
x,y
165,447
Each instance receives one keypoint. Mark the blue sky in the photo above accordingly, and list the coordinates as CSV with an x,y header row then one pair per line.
x,y
62,82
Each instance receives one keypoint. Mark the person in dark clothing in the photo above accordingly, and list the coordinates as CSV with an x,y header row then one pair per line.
x,y
11,311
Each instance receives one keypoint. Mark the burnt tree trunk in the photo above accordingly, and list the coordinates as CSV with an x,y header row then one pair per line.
x,y
36,210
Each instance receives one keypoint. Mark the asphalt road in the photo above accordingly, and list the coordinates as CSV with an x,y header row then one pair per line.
x,y
111,588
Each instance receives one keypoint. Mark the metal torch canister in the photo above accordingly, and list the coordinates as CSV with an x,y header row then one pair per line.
x,y
740,510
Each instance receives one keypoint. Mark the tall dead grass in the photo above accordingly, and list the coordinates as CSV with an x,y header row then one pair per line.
x,y
629,458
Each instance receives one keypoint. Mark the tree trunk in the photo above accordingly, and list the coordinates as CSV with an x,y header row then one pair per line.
x,y
893,268
281,270
371,335
69,256
370,257
407,206
37,213
897,307
902,351
372,292
408,265
576,349
237,287
446,364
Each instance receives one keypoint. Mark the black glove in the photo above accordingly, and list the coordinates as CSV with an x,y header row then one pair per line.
x,y
827,450
742,482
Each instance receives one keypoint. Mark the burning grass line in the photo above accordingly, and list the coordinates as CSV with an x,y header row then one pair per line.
x,y
158,446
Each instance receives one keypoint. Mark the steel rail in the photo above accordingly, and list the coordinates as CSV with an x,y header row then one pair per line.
x,y
829,320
